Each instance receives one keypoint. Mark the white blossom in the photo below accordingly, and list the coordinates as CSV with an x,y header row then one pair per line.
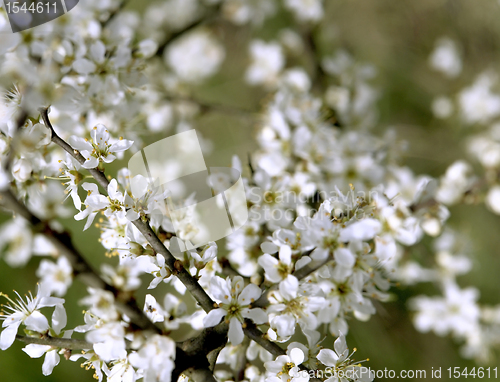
x,y
234,306
445,57
286,368
26,313
156,359
306,10
195,56
57,276
267,63
100,148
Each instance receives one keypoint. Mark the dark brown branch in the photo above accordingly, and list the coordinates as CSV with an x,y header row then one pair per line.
x,y
114,13
241,363
201,351
175,266
254,333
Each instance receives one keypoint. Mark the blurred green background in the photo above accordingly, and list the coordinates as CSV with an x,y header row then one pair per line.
x,y
397,36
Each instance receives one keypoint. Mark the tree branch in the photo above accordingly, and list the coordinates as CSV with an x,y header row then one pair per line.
x,y
175,266
242,362
63,343
114,13
254,333
201,351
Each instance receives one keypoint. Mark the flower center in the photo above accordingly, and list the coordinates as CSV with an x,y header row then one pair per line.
x,y
286,368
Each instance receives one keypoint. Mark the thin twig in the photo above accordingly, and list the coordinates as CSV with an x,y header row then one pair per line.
x,y
114,13
63,343
205,18
254,333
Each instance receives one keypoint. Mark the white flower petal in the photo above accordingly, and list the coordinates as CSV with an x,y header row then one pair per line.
x,y
8,335
79,144
51,360
213,317
121,145
340,345
108,158
344,257
36,321
132,215
285,255
267,261
257,315
365,229
59,318
36,351
251,292
268,247
327,357
284,324
47,301
220,290
235,333
302,262
91,162
297,356
84,66
97,51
